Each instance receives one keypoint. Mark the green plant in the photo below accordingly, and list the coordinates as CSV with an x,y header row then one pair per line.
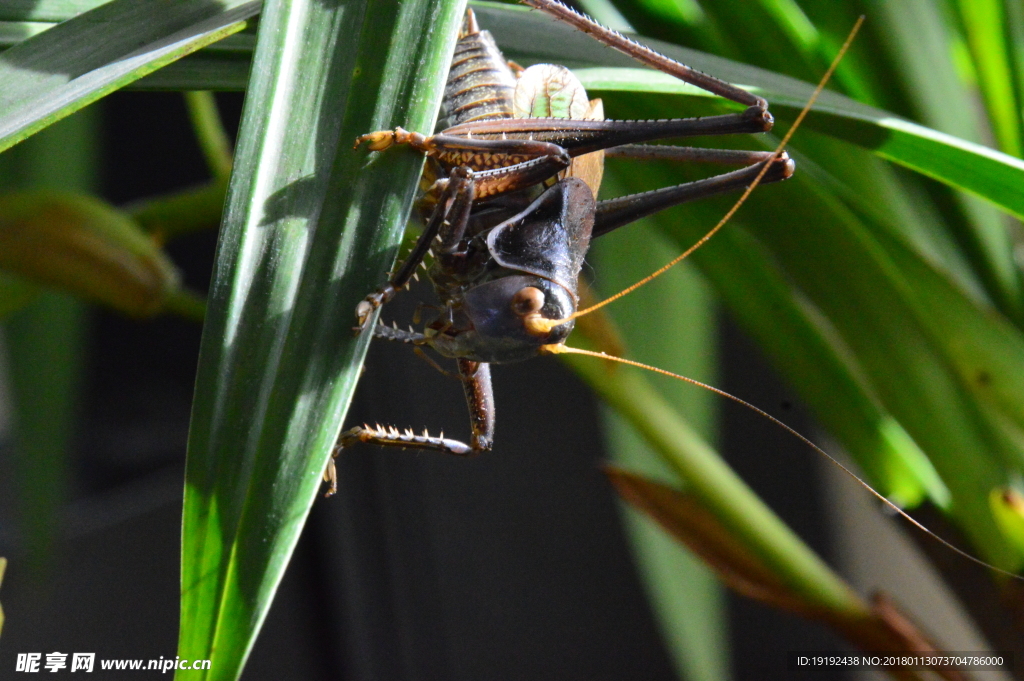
x,y
881,281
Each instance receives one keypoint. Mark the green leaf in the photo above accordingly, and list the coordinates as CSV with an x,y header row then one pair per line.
x,y
985,25
45,347
310,227
965,165
45,10
15,293
795,336
45,352
688,520
1008,509
836,303
222,66
210,133
63,69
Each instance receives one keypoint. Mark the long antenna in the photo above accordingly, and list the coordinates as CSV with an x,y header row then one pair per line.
x,y
540,325
559,348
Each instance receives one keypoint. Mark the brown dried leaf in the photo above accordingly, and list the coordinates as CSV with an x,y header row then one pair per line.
x,y
883,629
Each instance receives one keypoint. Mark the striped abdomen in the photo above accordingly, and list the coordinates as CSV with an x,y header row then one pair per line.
x,y
480,83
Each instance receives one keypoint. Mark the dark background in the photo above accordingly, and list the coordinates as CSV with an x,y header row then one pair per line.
x,y
509,566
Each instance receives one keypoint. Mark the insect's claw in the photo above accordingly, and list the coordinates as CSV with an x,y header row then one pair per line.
x,y
365,307
331,476
382,139
376,141
364,311
759,113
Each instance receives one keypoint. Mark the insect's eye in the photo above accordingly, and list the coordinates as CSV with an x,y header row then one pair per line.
x,y
527,300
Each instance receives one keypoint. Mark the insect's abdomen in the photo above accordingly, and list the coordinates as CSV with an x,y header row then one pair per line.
x,y
480,82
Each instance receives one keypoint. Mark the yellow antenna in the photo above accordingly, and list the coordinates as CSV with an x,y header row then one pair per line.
x,y
540,326
558,348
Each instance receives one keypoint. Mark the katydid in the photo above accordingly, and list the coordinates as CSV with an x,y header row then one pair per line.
x,y
511,207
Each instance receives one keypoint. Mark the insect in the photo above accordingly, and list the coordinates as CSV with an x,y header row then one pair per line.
x,y
511,208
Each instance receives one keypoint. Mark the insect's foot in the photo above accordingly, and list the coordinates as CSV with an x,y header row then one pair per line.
x,y
364,309
764,119
331,476
367,306
382,139
787,166
377,141
782,168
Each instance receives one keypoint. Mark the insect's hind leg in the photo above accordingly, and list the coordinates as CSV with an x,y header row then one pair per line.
x,y
476,381
646,55
665,152
614,213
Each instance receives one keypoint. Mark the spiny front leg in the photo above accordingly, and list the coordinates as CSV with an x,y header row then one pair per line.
x,y
451,214
476,380
614,213
389,436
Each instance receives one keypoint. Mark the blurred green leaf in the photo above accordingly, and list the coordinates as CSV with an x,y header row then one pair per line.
x,y
45,10
1008,509
210,133
15,293
863,318
985,24
86,247
44,342
688,520
61,70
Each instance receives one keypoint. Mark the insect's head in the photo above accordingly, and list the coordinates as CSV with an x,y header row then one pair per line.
x,y
533,261
490,322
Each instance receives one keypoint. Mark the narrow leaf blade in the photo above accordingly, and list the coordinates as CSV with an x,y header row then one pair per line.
x,y
310,227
